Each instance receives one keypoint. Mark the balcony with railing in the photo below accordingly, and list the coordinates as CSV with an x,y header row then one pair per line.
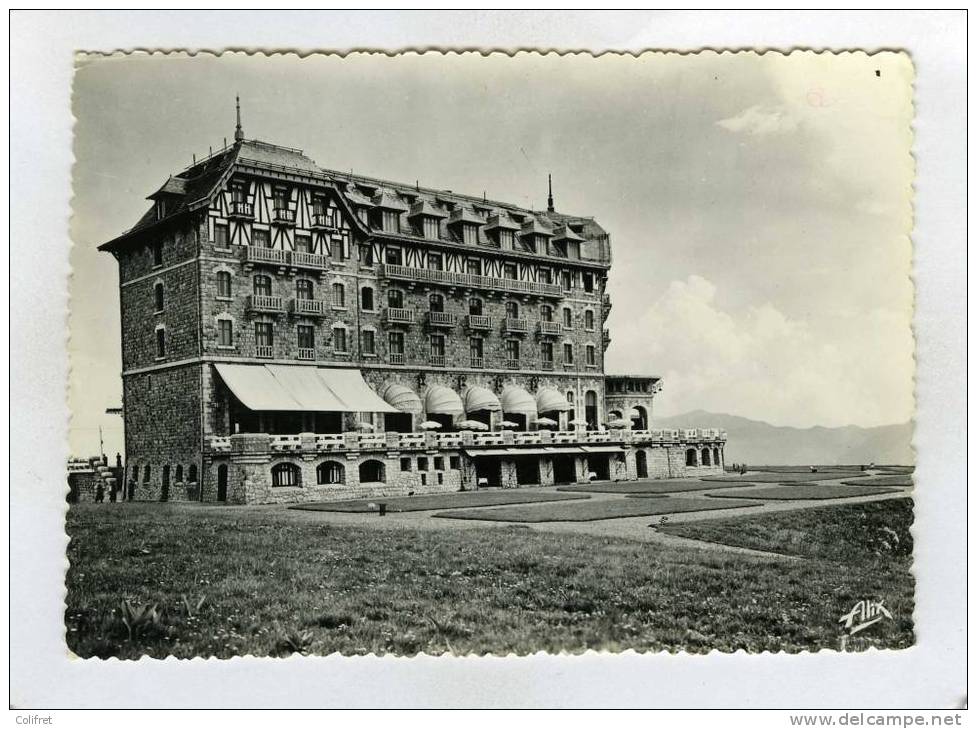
x,y
306,354
283,216
240,209
256,255
265,351
550,329
512,364
605,301
304,259
322,221
393,315
515,326
436,360
605,338
441,319
396,358
430,441
477,363
259,303
308,307
478,322
467,280
546,365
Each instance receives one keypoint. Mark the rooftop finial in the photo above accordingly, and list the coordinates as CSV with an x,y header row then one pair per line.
x,y
238,132
549,200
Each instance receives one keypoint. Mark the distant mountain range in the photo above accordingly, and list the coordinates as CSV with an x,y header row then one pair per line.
x,y
758,443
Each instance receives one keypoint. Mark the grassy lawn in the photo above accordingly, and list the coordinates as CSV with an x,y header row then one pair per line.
x,y
646,487
442,501
895,480
794,492
806,469
595,510
782,476
858,534
275,581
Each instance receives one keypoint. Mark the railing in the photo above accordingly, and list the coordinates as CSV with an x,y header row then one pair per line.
x,y
605,338
265,351
398,316
550,328
308,307
329,442
255,254
546,365
395,358
306,353
512,364
476,321
441,319
605,301
436,360
515,326
477,362
322,220
303,259
241,209
259,302
283,216
468,280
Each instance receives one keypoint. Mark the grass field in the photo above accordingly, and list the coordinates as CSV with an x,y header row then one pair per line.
x,y
231,581
894,480
454,500
796,492
857,534
781,477
642,488
806,469
594,510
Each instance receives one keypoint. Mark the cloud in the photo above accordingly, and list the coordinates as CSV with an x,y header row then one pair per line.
x,y
760,121
760,363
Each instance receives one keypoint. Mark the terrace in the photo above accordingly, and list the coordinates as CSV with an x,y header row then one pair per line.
x,y
452,279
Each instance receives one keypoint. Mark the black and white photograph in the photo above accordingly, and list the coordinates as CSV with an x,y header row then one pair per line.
x,y
422,354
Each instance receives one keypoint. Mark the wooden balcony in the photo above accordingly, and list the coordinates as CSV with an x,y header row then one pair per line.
x,y
241,210
323,221
258,303
398,316
452,279
308,307
441,319
476,322
515,326
283,216
550,329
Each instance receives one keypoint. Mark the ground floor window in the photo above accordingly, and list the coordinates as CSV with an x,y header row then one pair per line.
x,y
330,472
286,474
372,472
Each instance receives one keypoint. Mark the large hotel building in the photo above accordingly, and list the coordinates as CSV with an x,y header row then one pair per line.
x,y
292,333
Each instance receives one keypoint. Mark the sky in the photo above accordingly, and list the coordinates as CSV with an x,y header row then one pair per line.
x,y
759,206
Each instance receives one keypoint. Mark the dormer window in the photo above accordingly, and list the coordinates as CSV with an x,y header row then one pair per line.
x,y
430,228
469,234
160,209
280,197
507,238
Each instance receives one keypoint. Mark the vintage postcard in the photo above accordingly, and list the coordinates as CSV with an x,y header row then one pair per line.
x,y
486,354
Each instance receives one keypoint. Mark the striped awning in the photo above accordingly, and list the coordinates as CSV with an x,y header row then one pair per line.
x,y
517,400
441,400
401,397
548,400
481,398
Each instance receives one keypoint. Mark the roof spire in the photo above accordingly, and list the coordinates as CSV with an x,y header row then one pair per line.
x,y
549,200
238,132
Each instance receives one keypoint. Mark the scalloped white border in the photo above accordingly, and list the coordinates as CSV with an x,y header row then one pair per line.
x,y
43,676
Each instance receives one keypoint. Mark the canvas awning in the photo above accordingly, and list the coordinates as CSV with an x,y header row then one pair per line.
x,y
602,449
517,400
481,398
301,388
441,400
401,397
548,400
548,451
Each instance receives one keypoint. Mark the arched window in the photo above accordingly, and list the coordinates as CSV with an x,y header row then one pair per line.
x,y
475,307
372,471
262,285
330,472
286,474
437,302
366,298
179,473
158,296
192,474
690,457
338,295
588,319
546,312
223,284
395,299
706,459
716,461
512,309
